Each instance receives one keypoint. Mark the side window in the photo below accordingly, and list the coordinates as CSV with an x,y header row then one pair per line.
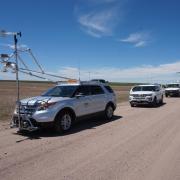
x,y
96,90
83,90
109,89
157,88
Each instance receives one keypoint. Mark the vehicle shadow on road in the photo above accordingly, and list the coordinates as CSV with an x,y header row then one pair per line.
x,y
174,97
150,106
91,123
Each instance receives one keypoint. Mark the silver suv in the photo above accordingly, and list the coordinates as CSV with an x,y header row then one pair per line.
x,y
146,94
63,104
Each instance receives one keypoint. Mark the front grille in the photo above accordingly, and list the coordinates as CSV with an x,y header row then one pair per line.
x,y
172,91
139,95
25,123
27,109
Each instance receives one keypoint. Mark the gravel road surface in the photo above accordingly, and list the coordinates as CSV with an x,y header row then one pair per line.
x,y
139,144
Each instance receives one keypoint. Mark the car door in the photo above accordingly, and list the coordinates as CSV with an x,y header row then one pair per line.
x,y
98,98
82,103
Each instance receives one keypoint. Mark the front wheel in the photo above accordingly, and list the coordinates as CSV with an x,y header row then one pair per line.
x,y
109,112
132,104
161,101
63,122
154,102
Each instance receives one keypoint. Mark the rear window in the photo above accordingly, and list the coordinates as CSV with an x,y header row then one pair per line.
x,y
96,90
109,89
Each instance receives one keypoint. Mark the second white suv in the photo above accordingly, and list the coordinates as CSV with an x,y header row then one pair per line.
x,y
172,89
146,94
64,104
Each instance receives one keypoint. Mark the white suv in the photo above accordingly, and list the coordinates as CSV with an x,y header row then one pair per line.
x,y
172,89
62,105
146,94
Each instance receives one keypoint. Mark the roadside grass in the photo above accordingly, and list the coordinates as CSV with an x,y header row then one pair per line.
x,y
8,95
29,89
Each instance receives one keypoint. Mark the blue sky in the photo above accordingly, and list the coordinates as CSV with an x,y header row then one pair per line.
x,y
119,40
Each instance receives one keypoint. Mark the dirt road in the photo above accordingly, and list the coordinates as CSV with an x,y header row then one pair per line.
x,y
139,144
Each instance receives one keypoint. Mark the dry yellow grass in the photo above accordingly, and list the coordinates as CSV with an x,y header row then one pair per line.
x,y
8,95
29,89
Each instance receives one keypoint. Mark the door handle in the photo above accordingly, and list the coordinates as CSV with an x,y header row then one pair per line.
x,y
86,104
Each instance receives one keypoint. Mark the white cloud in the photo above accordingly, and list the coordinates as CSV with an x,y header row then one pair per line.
x,y
100,23
98,17
140,44
139,39
21,47
6,76
162,73
71,72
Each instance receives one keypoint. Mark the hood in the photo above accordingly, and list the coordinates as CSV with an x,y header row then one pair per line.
x,y
172,89
141,92
35,100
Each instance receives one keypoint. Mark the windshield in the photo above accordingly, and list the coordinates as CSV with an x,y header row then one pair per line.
x,y
61,91
173,85
144,88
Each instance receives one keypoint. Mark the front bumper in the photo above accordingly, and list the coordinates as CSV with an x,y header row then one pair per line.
x,y
172,93
32,122
145,100
25,123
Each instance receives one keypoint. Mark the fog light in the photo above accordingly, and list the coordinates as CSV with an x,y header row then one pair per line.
x,y
25,124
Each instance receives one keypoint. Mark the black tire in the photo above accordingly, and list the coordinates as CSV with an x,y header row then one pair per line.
x,y
161,101
109,112
166,95
63,122
155,102
132,104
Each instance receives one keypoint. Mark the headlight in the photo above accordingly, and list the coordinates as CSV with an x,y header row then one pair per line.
x,y
45,105
16,108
